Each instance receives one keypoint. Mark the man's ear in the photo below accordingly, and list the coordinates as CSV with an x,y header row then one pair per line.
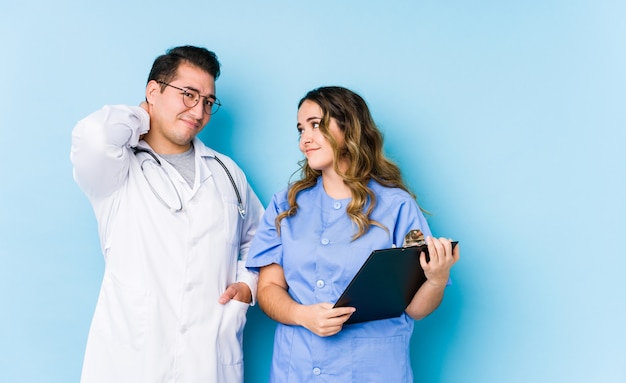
x,y
152,88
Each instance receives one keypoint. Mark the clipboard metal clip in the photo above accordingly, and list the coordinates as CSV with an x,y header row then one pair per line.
x,y
414,237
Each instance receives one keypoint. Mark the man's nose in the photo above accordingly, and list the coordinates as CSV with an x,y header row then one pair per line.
x,y
198,109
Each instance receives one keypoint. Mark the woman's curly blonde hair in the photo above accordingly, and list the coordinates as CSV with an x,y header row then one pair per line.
x,y
363,151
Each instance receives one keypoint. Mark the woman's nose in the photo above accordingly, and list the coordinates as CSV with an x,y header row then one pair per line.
x,y
305,136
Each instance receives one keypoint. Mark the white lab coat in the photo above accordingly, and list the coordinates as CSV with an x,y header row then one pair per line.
x,y
157,318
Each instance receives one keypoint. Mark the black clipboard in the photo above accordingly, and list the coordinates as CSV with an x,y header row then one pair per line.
x,y
385,284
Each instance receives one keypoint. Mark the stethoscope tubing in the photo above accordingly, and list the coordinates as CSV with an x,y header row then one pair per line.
x,y
242,211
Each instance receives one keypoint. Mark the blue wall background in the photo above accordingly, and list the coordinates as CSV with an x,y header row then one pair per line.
x,y
508,119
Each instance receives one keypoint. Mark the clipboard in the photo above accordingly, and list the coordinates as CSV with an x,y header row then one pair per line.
x,y
385,284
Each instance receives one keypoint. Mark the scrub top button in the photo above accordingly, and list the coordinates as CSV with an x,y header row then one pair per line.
x,y
320,283
325,241
317,371
337,205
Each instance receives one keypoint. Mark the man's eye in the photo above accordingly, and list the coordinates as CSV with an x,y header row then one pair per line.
x,y
208,102
189,95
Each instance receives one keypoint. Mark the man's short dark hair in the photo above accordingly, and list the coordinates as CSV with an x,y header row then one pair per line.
x,y
165,66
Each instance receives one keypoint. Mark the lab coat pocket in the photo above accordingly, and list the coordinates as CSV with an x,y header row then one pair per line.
x,y
383,359
121,313
230,337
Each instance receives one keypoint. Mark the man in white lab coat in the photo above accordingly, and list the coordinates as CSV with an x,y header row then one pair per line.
x,y
175,220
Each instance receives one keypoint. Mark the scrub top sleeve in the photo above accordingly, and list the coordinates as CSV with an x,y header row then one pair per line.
x,y
410,217
266,246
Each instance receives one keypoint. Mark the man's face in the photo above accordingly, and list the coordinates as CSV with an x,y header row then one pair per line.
x,y
173,125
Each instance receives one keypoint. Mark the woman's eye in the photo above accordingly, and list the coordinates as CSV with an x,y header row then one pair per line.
x,y
315,125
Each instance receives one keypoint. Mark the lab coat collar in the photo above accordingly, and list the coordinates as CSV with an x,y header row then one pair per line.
x,y
202,170
203,150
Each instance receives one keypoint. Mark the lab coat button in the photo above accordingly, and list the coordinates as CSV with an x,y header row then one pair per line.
x,y
325,241
320,283
189,286
317,371
183,329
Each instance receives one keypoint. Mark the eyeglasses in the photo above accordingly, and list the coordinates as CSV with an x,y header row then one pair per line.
x,y
191,97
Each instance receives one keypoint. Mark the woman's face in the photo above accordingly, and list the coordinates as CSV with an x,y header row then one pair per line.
x,y
313,144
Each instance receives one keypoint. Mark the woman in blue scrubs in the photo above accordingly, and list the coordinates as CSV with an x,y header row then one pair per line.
x,y
316,234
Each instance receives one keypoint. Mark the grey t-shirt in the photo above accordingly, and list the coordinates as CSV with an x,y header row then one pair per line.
x,y
184,163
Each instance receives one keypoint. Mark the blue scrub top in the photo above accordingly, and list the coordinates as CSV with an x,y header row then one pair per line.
x,y
319,259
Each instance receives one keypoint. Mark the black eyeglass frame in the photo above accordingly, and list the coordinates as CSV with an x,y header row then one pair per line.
x,y
186,93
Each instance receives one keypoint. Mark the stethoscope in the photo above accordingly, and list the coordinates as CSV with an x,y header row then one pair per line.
x,y
179,206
